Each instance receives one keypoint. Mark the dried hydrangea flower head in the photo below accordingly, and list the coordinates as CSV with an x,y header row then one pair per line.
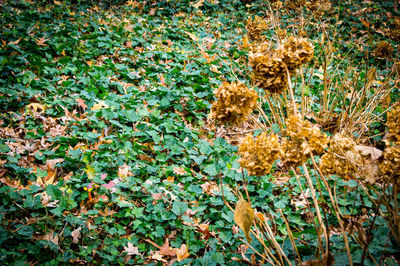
x,y
269,71
318,7
260,47
296,52
295,4
303,139
342,157
234,103
255,26
393,125
383,50
394,31
258,156
390,165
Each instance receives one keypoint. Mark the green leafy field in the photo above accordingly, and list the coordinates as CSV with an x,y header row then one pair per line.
x,y
107,153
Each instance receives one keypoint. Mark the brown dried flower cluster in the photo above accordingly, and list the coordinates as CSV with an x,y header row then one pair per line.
x,y
269,71
295,4
255,27
303,140
342,157
235,102
393,125
296,52
258,156
390,165
269,66
383,50
394,31
319,7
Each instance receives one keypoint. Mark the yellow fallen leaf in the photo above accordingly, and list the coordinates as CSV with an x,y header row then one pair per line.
x,y
246,43
244,217
90,171
198,4
182,252
99,105
36,108
192,36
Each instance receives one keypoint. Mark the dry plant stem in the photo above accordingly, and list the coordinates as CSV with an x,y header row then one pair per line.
x,y
276,244
223,197
270,237
336,209
245,187
312,189
303,88
291,238
274,115
291,93
261,240
309,209
263,115
258,253
281,102
369,234
325,95
387,205
259,124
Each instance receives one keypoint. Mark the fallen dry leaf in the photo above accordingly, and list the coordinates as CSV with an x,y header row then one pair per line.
x,y
99,105
76,234
198,4
165,249
131,250
182,252
244,217
170,179
192,36
41,41
373,153
179,170
81,104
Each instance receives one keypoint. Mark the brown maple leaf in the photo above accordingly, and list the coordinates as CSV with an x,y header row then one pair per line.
x,y
81,103
165,249
131,250
179,170
182,252
41,41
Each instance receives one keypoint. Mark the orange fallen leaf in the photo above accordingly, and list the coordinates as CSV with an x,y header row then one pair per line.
x,y
81,103
41,41
179,170
165,249
171,179
182,252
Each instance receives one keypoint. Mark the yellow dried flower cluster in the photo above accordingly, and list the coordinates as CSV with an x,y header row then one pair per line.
x,y
383,50
393,125
258,156
255,27
295,4
394,31
269,71
270,66
390,165
296,52
342,157
235,102
303,140
318,7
